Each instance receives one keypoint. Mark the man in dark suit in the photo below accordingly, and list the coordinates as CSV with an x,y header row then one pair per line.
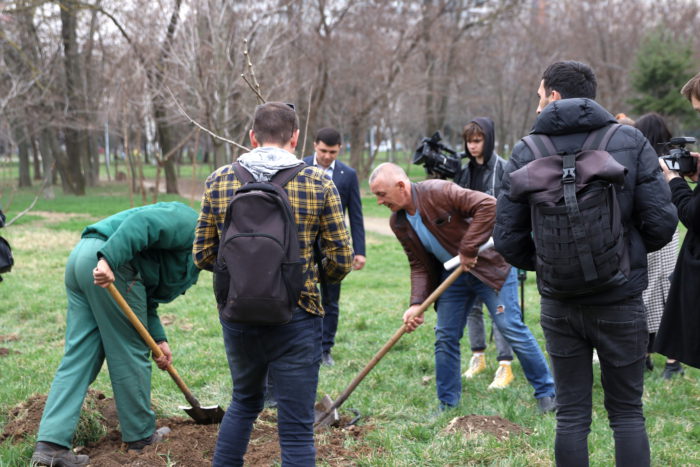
x,y
326,150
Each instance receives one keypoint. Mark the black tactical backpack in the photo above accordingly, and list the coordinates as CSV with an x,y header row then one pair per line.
x,y
576,221
258,276
6,259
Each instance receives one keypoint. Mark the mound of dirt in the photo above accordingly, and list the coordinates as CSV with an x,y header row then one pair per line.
x,y
23,419
188,444
477,425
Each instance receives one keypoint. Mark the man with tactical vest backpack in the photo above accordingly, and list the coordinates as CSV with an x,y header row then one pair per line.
x,y
257,226
582,203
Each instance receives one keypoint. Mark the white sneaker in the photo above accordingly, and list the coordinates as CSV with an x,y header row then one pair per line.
x,y
476,365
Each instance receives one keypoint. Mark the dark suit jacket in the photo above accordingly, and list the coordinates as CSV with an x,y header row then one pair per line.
x,y
345,180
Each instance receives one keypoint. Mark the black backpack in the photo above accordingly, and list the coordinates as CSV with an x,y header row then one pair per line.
x,y
576,221
6,258
258,276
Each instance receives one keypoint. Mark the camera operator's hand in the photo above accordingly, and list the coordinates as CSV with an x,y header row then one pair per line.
x,y
694,177
670,174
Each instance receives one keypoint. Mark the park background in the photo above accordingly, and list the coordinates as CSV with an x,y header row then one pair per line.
x,y
98,101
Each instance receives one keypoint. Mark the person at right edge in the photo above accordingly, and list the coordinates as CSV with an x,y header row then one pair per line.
x,y
611,321
660,262
679,333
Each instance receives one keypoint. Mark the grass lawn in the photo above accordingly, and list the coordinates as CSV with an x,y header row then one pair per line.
x,y
397,397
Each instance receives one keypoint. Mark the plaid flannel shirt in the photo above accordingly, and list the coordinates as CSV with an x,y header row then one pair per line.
x,y
316,206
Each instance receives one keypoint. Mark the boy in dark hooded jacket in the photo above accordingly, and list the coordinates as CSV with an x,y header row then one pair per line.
x,y
483,172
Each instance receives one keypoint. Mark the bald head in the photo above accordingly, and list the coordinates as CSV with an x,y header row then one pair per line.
x,y
388,171
392,187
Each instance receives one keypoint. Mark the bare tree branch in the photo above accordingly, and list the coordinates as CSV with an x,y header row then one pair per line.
x,y
182,111
47,178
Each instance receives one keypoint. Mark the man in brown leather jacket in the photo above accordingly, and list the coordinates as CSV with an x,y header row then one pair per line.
x,y
435,220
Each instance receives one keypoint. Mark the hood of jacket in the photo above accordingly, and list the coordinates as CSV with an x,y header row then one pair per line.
x,y
487,126
264,162
572,116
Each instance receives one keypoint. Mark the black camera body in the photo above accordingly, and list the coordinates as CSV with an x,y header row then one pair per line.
x,y
438,159
678,158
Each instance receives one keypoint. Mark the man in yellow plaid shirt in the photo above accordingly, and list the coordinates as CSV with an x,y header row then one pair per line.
x,y
290,352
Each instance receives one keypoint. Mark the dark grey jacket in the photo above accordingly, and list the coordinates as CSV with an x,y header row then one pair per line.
x,y
648,216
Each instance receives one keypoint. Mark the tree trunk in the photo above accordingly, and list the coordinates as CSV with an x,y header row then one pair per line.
x,y
156,77
20,135
219,153
47,161
75,140
357,147
35,155
89,86
30,46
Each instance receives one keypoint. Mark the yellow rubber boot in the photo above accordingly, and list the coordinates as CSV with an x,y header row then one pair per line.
x,y
476,365
504,376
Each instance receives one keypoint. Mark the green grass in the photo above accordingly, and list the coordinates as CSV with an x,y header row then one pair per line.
x,y
393,398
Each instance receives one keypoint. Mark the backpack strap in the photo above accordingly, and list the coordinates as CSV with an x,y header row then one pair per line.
x,y
541,145
283,177
600,138
241,173
578,229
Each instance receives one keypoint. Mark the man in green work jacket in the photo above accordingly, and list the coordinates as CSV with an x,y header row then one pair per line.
x,y
147,253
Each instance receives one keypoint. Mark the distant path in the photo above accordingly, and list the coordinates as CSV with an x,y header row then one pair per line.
x,y
378,225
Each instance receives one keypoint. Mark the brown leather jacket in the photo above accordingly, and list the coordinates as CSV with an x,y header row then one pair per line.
x,y
461,220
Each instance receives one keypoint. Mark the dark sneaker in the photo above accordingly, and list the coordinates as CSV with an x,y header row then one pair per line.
x,y
673,369
326,359
547,404
58,456
156,437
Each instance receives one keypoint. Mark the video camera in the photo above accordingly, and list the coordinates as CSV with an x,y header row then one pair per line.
x,y
438,159
678,158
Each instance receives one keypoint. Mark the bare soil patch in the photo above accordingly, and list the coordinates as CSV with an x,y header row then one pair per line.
x,y
188,444
478,425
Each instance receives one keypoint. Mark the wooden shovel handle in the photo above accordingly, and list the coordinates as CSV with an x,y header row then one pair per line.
x,y
397,335
146,336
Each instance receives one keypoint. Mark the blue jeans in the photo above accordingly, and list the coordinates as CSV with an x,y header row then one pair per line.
x,y
619,333
330,295
477,334
452,309
292,354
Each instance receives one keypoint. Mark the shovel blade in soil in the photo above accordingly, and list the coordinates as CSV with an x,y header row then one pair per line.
x,y
205,415
325,414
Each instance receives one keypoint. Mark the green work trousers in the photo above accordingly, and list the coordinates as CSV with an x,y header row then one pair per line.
x,y
96,328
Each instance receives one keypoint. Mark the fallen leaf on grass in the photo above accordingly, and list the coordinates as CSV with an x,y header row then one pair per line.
x,y
9,338
167,320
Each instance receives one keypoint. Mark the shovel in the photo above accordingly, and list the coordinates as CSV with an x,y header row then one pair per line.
x,y
201,415
326,410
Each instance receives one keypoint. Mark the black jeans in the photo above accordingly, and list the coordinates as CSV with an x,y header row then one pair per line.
x,y
619,334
